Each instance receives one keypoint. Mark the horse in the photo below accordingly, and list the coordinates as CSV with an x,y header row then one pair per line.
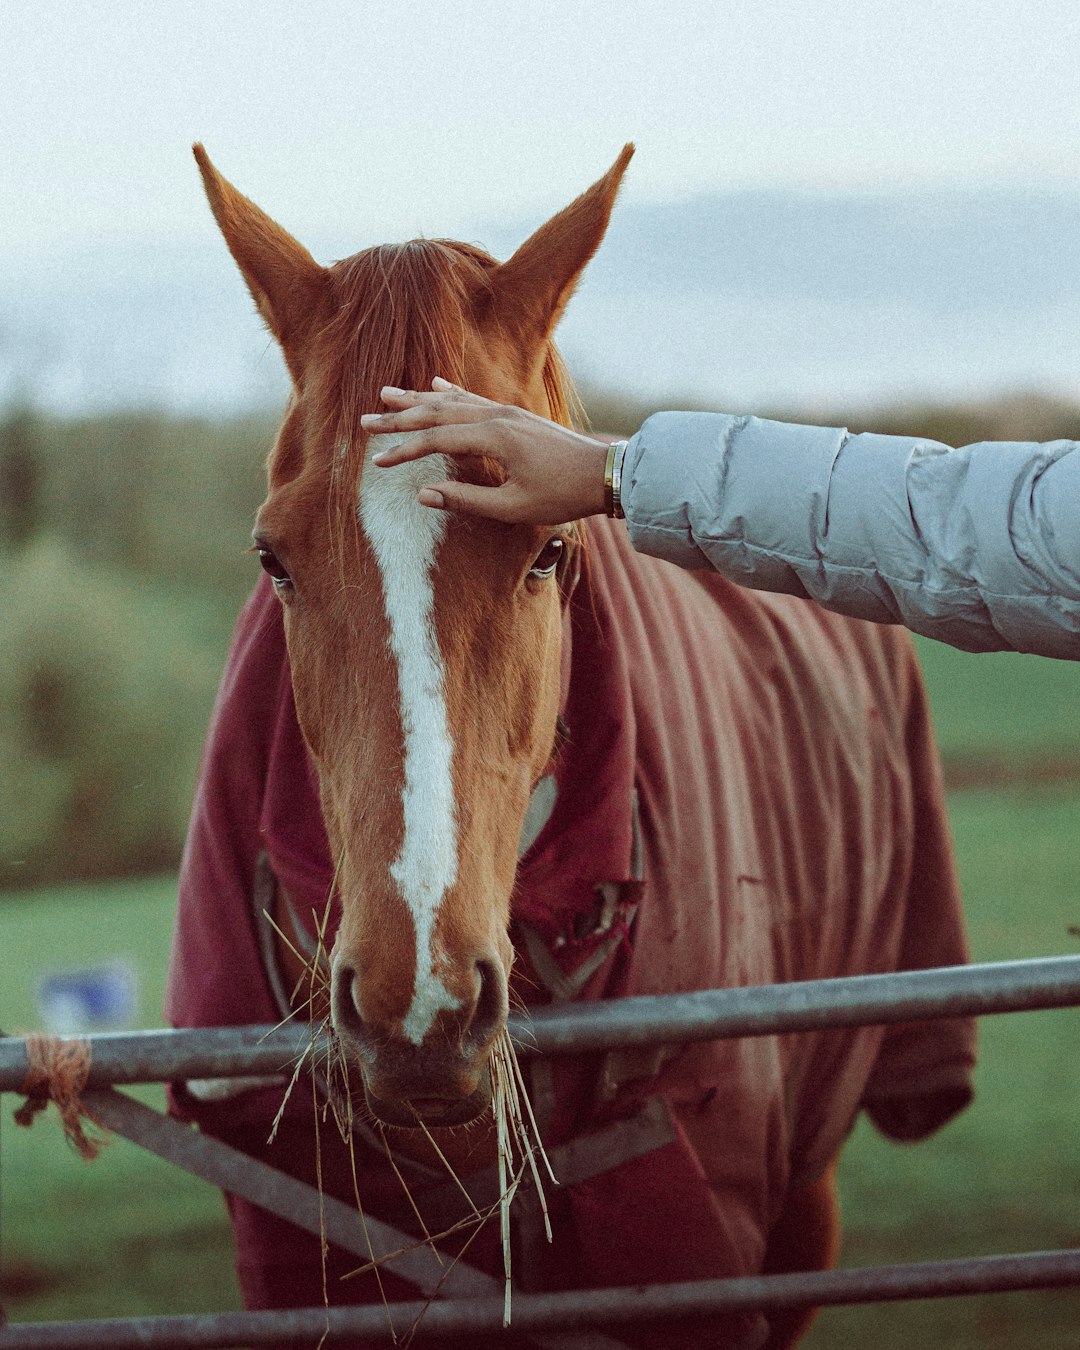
x,y
481,763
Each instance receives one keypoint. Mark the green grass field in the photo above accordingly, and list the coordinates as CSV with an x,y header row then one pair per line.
x,y
1005,1176
1002,707
128,1235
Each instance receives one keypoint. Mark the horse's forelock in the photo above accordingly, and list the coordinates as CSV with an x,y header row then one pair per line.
x,y
403,314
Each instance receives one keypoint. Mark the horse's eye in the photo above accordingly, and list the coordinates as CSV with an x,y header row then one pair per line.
x,y
274,569
548,559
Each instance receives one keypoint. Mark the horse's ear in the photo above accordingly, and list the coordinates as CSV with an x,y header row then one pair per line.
x,y
530,291
287,284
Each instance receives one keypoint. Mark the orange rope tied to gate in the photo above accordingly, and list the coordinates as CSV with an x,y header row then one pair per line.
x,y
58,1072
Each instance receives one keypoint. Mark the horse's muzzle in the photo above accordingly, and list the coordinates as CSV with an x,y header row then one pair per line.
x,y
443,1081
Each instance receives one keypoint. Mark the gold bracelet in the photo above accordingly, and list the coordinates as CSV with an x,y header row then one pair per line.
x,y
613,467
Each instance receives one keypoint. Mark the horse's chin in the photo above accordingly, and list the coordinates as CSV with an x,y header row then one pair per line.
x,y
433,1113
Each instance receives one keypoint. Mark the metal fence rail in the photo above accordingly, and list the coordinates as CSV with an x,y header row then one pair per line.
x,y
915,995
550,1312
157,1056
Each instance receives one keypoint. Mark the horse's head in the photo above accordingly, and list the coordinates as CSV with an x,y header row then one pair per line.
x,y
425,649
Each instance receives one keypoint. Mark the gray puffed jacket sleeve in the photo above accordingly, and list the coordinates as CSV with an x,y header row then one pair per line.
x,y
978,547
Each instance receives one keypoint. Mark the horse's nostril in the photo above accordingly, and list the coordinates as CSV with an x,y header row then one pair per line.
x,y
491,1004
347,1019
470,1027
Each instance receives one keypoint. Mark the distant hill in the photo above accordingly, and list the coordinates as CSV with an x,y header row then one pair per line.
x,y
940,248
750,299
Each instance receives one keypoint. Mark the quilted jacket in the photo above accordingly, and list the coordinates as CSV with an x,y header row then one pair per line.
x,y
978,546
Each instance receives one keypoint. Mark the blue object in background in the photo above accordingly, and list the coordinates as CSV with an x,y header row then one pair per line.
x,y
95,998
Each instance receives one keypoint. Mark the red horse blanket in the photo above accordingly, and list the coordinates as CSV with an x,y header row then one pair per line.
x,y
755,781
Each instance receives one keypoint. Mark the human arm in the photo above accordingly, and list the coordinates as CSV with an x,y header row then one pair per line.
x,y
978,547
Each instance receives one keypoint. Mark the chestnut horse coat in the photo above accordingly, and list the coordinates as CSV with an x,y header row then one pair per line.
x,y
748,793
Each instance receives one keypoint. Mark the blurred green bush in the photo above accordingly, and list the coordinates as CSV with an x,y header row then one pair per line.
x,y
123,547
166,497
105,682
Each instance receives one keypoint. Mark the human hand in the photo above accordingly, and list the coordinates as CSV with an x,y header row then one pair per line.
x,y
553,474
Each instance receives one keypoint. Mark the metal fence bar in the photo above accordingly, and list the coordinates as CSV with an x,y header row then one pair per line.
x,y
547,1312
284,1195
303,1205
812,1005
165,1056
952,991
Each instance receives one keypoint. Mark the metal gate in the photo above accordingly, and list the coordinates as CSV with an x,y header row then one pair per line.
x,y
468,1302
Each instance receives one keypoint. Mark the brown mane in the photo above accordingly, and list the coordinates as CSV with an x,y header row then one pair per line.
x,y
400,318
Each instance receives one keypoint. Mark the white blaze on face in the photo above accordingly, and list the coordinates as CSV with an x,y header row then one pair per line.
x,y
404,536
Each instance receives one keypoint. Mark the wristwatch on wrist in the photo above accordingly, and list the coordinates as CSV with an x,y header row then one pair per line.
x,y
613,467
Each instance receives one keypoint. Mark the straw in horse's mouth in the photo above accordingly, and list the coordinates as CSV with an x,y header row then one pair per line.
x,y
520,1151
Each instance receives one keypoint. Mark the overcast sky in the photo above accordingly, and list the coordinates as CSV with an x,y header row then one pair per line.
x,y
367,121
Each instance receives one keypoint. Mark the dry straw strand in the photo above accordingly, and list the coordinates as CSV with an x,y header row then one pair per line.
x,y
519,1146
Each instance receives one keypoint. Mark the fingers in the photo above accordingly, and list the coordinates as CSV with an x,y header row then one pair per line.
x,y
417,416
467,498
449,438
446,403
440,388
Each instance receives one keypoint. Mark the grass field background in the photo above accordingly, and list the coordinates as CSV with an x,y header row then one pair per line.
x,y
128,1235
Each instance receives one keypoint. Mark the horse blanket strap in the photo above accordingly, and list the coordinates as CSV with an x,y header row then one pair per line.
x,y
608,926
573,1162
562,987
538,812
262,901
